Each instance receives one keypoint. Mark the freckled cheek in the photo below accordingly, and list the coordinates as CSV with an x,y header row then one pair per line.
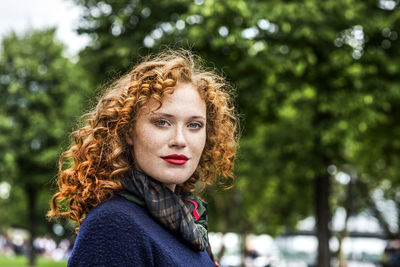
x,y
152,140
141,141
200,144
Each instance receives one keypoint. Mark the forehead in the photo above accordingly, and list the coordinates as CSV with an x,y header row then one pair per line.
x,y
184,100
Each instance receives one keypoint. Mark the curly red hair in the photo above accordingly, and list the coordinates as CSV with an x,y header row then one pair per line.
x,y
90,171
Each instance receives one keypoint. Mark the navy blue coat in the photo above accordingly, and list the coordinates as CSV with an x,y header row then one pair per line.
x,y
121,233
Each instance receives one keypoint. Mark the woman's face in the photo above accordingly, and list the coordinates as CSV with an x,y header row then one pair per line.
x,y
168,142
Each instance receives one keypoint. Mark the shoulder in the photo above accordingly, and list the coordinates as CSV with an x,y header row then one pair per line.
x,y
112,235
117,215
113,209
119,232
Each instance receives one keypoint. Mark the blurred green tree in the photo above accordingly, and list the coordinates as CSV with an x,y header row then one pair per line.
x,y
315,81
40,92
117,30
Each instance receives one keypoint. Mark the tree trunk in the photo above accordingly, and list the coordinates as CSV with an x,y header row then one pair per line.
x,y
31,192
223,225
243,237
322,190
349,212
341,236
341,257
398,217
367,195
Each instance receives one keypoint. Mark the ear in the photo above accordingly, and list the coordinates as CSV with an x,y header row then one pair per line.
x,y
129,136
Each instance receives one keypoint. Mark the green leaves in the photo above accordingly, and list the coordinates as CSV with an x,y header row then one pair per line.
x,y
41,92
316,84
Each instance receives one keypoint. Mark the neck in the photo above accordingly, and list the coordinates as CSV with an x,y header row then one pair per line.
x,y
171,187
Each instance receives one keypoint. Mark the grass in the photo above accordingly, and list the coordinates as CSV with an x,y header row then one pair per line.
x,y
21,261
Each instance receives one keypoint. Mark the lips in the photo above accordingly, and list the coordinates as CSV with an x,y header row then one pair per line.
x,y
176,159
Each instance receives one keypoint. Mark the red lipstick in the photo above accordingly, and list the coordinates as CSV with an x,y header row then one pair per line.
x,y
176,159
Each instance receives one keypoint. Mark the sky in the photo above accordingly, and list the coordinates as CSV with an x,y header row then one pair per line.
x,y
21,15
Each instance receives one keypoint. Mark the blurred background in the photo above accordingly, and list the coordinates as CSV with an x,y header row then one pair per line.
x,y
318,90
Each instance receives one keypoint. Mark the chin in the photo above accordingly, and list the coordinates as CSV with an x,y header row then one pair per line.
x,y
175,177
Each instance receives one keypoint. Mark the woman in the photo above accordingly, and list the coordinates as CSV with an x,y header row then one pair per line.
x,y
161,131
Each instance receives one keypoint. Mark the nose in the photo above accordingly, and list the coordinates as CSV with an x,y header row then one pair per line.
x,y
178,138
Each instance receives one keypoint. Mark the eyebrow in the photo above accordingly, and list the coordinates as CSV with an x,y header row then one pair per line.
x,y
171,116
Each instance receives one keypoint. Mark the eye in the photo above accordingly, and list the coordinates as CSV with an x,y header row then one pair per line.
x,y
161,123
195,125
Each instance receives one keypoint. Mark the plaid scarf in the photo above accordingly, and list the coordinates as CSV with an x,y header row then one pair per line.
x,y
182,214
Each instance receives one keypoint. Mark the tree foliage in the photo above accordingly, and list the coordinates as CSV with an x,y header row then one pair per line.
x,y
312,77
317,86
40,93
